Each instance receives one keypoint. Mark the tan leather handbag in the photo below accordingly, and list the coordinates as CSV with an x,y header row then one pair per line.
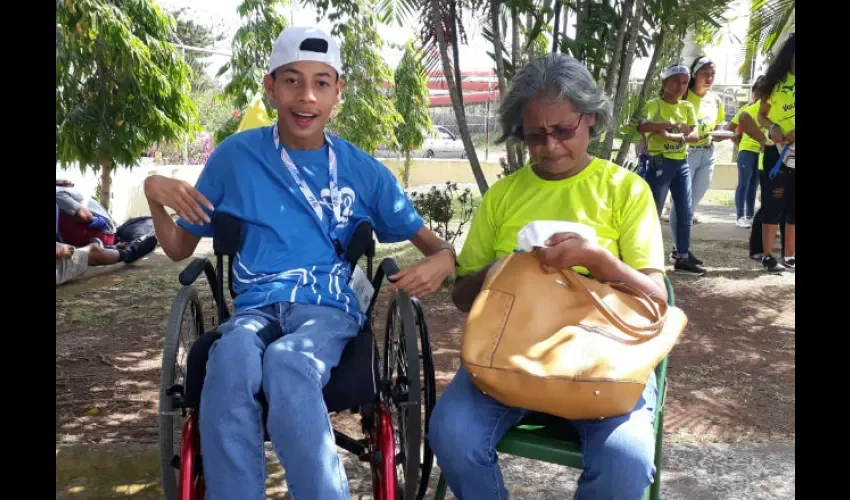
x,y
564,344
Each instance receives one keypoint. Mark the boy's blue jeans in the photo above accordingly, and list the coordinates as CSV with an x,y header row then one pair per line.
x,y
291,370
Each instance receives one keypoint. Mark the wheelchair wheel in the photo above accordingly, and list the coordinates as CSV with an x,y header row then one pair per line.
x,y
405,379
185,325
429,394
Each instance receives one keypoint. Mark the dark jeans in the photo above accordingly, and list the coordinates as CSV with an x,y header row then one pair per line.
x,y
667,175
745,194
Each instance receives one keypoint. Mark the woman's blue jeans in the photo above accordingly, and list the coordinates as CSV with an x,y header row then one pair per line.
x,y
745,194
668,175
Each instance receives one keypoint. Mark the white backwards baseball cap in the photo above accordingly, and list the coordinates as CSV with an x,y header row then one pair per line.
x,y
298,43
676,69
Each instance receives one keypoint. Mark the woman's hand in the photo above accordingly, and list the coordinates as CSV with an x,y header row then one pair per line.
x,y
776,134
566,250
684,129
83,215
673,137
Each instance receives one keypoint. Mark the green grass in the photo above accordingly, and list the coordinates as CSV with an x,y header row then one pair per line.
x,y
93,472
100,472
722,197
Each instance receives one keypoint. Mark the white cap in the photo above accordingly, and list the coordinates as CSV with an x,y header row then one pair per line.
x,y
305,44
676,69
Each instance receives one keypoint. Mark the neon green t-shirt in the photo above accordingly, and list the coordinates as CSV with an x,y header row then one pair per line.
x,y
747,142
658,110
782,104
617,203
710,112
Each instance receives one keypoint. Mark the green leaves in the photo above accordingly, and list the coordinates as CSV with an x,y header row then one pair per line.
x,y
263,21
121,85
770,20
411,100
367,116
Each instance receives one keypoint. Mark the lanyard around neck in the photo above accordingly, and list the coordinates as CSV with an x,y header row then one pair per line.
x,y
336,202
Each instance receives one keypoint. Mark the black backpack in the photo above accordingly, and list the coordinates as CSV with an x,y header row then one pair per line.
x,y
134,229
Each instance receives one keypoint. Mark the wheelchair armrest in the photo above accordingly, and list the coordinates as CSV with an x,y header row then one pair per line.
x,y
387,267
190,273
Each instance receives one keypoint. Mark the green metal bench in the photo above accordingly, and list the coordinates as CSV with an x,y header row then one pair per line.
x,y
553,440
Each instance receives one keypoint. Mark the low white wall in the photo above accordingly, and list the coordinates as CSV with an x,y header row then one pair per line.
x,y
128,197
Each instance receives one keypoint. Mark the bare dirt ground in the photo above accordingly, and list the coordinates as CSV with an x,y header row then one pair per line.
x,y
731,376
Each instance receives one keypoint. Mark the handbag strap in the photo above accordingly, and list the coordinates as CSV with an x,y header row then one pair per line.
x,y
657,307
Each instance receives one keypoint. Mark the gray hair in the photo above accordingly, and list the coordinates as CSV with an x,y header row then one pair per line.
x,y
564,78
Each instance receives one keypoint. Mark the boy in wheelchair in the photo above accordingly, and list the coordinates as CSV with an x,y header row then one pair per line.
x,y
298,193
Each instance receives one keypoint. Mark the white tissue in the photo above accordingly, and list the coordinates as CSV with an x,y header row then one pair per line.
x,y
535,233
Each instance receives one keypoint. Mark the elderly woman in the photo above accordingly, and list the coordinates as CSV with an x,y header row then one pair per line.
x,y
555,106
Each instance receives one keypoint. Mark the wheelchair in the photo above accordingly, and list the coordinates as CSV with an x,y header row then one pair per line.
x,y
389,383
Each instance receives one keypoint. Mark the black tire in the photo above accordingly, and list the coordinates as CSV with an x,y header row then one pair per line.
x,y
401,360
429,395
185,325
429,154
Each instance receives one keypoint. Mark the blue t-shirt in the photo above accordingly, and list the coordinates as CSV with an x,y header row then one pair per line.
x,y
286,254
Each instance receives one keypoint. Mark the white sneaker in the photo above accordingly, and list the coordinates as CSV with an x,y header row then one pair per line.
x,y
743,222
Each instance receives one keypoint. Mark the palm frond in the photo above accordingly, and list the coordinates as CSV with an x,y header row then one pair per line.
x,y
770,19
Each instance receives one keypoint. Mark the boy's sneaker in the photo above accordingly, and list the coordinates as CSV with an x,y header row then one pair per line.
x,y
685,265
674,256
771,265
789,262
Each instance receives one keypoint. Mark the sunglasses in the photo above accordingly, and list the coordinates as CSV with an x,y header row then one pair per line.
x,y
559,134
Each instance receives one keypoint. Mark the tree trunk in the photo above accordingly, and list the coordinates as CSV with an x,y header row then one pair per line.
x,y
500,73
566,22
644,89
557,29
583,13
516,58
611,71
623,84
105,182
460,115
456,53
406,168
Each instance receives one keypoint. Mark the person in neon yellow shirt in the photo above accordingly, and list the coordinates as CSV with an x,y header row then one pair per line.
x,y
670,124
556,108
710,115
749,156
778,199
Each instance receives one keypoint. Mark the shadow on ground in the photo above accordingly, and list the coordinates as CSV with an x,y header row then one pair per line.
x,y
731,378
